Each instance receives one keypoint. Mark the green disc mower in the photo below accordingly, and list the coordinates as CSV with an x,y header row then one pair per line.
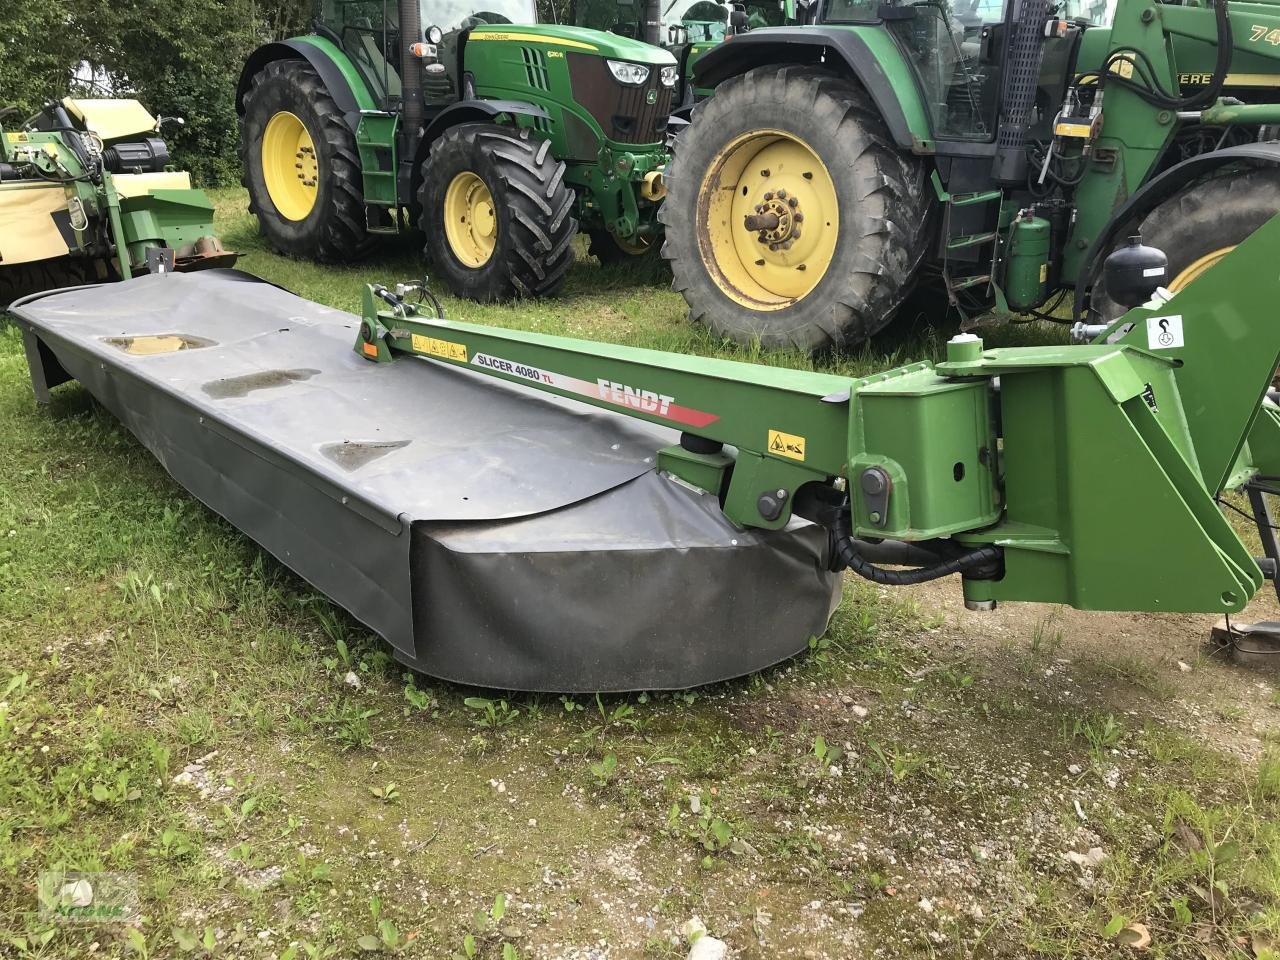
x,y
496,136
87,192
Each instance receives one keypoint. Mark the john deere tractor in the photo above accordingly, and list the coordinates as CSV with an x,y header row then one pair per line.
x,y
997,150
88,193
688,28
495,135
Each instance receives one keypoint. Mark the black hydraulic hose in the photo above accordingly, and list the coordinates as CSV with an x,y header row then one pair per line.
x,y
1150,89
846,550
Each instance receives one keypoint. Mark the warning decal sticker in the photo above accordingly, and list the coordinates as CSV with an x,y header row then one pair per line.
x,y
786,445
1164,333
446,349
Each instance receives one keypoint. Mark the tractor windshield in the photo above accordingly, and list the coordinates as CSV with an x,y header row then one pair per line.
x,y
462,14
700,19
1100,13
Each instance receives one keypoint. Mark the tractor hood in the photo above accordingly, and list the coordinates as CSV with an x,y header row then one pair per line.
x,y
576,40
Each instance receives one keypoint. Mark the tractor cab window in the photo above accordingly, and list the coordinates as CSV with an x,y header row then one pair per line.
x,y
949,44
691,21
369,32
610,16
1099,13
702,20
453,15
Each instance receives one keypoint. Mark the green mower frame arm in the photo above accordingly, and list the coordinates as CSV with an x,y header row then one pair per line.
x,y
1085,475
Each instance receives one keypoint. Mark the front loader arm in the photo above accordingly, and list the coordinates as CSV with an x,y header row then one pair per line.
x,y
1085,475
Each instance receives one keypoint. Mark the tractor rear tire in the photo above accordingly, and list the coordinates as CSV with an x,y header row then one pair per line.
x,y
1200,225
496,212
301,166
19,280
771,144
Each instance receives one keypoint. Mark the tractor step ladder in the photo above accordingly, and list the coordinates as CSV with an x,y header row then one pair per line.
x,y
953,242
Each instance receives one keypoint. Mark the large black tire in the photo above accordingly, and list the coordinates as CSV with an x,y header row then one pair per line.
x,y
1200,222
604,246
881,194
532,211
18,280
335,229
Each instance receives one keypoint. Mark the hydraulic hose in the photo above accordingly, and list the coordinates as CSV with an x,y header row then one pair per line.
x,y
847,555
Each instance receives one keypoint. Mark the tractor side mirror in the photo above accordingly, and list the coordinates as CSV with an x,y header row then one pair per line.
x,y
738,19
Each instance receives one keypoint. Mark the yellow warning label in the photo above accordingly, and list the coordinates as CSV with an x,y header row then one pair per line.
x,y
786,445
446,349
1122,68
1044,272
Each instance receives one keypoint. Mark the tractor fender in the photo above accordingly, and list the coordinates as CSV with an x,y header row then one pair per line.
x,y
466,111
475,111
1150,195
336,70
868,55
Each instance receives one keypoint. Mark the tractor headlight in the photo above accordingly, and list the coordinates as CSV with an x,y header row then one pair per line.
x,y
632,74
669,76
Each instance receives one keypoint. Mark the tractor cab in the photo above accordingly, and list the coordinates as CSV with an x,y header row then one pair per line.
x,y
370,33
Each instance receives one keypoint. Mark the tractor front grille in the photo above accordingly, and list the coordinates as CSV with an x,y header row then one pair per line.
x,y
627,114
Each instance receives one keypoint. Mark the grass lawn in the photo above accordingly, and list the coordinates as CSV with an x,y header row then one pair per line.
x,y
178,709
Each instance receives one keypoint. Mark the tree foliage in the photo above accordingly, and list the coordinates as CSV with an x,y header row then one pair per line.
x,y
179,59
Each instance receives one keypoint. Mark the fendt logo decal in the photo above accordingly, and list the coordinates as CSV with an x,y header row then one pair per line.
x,y
625,396
610,391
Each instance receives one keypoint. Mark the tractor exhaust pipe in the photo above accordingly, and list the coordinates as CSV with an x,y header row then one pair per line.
x,y
410,71
651,28
1021,78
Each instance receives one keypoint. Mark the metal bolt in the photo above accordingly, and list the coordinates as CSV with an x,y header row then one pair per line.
x,y
874,516
798,217
782,494
769,195
795,234
786,245
792,202
782,194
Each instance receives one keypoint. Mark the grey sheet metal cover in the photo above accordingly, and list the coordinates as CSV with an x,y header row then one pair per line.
x,y
492,534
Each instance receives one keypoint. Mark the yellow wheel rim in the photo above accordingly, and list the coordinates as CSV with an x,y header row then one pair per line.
x,y
470,220
289,166
635,248
767,219
1193,271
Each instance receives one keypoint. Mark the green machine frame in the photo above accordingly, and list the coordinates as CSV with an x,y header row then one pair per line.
x,y
1087,475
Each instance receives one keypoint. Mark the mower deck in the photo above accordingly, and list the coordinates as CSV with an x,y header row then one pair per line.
x,y
493,535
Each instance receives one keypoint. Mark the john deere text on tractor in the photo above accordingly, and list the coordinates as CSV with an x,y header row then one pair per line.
x,y
493,134
841,160
86,190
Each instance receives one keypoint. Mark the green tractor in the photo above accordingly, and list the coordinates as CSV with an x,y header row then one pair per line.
x,y
688,28
88,193
494,135
999,151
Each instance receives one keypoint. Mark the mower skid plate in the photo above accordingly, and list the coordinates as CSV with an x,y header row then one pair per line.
x,y
493,535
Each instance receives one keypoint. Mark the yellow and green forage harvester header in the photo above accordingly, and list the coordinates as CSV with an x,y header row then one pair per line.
x,y
1086,475
86,190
